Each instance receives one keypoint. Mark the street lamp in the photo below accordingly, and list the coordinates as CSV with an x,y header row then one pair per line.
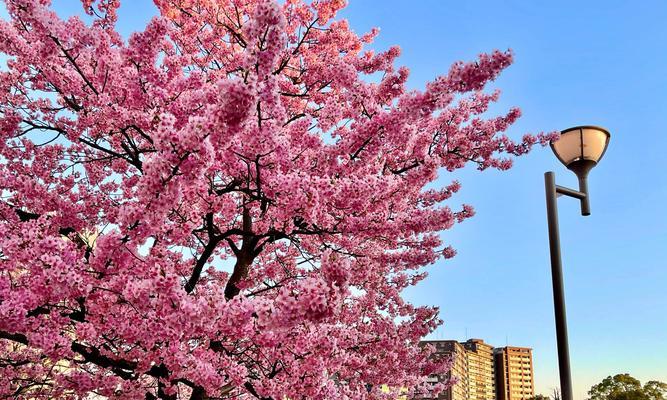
x,y
579,149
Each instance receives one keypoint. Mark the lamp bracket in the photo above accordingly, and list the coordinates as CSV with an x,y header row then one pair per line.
x,y
570,192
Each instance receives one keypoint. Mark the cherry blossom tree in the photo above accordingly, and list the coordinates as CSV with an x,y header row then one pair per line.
x,y
228,204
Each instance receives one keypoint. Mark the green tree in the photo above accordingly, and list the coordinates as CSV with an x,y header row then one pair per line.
x,y
539,397
656,390
625,387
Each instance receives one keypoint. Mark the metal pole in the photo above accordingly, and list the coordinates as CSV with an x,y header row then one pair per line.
x,y
557,281
585,202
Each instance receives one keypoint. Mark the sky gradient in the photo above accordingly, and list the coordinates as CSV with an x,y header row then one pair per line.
x,y
602,63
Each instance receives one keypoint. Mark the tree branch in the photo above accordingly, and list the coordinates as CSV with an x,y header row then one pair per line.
x,y
244,257
251,389
74,64
123,368
213,241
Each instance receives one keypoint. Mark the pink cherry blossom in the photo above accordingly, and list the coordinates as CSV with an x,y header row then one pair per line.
x,y
224,205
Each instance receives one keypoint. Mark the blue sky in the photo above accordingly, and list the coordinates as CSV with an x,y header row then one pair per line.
x,y
602,63
595,62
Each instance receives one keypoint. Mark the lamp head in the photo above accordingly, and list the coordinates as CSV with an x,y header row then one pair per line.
x,y
580,148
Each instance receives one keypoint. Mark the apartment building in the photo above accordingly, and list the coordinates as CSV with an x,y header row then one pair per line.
x,y
481,373
454,350
485,373
514,373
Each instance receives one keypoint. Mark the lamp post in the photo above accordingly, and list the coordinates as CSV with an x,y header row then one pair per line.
x,y
579,149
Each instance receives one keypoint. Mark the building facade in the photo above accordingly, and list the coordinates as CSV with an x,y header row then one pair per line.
x,y
481,373
484,373
514,373
459,371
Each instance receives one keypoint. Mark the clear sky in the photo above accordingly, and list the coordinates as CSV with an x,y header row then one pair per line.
x,y
594,62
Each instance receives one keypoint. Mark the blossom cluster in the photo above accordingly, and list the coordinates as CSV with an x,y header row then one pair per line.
x,y
224,205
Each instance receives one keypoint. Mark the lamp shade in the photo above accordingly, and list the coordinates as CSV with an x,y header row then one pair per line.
x,y
581,143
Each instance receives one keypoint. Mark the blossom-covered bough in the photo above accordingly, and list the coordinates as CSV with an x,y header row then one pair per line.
x,y
226,205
